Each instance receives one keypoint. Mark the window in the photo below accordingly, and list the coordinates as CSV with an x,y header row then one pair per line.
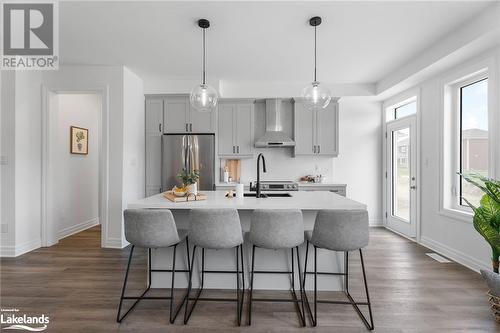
x,y
406,108
473,135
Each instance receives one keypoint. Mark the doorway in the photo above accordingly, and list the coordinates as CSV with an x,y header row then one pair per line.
x,y
73,164
401,162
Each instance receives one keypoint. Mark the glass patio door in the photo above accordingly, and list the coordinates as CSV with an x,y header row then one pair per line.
x,y
401,176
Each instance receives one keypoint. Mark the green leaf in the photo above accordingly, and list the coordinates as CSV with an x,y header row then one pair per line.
x,y
490,211
483,226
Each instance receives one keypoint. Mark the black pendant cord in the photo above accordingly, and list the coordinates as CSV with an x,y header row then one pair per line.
x,y
204,74
315,53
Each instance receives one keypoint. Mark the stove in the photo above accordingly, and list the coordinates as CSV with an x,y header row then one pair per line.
x,y
277,185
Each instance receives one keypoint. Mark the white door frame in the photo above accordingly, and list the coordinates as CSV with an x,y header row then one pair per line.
x,y
48,228
406,228
389,105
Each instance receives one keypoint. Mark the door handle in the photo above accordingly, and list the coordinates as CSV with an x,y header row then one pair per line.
x,y
413,187
190,127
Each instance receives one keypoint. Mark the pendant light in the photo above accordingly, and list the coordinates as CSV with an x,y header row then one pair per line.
x,y
203,97
316,96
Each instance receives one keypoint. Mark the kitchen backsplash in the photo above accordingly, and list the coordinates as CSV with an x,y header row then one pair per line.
x,y
282,166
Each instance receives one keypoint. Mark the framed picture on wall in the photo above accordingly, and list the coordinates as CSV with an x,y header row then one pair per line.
x,y
79,140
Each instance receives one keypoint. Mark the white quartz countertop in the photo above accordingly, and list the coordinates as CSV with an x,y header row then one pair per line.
x,y
303,200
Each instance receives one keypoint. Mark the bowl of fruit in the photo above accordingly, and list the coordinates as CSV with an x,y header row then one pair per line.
x,y
179,191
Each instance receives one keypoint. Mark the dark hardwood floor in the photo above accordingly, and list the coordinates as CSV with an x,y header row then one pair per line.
x,y
77,284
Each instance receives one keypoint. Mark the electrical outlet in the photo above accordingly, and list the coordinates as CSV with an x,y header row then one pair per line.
x,y
4,228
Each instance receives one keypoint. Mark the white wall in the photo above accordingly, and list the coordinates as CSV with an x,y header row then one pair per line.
x,y
27,160
450,236
359,163
74,179
7,235
22,143
109,78
134,163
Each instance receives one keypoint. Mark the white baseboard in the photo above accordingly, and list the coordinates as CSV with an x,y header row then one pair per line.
x,y
114,243
15,251
63,233
376,223
457,256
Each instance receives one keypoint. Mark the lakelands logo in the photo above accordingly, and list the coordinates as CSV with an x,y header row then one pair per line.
x,y
30,38
11,319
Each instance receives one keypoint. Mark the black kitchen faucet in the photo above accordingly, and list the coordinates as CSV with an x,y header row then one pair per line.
x,y
257,186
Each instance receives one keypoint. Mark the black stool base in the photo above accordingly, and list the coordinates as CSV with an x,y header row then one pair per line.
x,y
240,292
369,324
300,313
173,315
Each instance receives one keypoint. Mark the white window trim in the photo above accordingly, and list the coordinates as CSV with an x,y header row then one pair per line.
x,y
449,127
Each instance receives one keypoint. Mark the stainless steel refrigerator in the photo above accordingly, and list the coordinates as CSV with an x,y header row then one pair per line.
x,y
190,152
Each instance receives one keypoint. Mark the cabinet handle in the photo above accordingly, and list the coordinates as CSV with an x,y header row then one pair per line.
x,y
186,127
190,127
319,149
314,149
233,149
238,149
159,128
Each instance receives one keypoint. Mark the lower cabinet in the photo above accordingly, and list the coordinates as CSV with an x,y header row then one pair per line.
x,y
340,189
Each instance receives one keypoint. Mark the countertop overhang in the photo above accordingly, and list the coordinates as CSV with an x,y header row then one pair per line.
x,y
303,200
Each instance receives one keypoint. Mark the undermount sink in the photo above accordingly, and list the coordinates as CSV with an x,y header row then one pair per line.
x,y
269,195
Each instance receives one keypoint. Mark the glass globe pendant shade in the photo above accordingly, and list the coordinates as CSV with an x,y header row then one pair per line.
x,y
316,96
203,98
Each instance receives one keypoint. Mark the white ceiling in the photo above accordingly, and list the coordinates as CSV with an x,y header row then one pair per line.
x,y
359,42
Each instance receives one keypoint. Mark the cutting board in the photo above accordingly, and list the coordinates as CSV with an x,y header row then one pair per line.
x,y
172,197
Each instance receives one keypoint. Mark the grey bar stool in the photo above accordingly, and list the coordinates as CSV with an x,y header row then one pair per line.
x,y
216,229
343,231
277,229
152,229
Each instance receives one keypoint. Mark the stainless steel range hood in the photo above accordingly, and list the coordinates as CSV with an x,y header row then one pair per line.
x,y
274,136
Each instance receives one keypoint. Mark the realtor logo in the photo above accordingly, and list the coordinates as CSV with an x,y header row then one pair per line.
x,y
30,35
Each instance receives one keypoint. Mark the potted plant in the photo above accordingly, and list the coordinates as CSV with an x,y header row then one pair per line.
x,y
486,221
189,180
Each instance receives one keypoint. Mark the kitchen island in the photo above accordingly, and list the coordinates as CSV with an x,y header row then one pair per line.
x,y
310,202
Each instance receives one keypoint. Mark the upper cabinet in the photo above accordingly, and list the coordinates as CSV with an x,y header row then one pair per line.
x,y
316,132
180,117
235,128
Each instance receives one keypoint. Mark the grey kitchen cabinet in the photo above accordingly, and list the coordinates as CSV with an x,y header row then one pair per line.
x,y
180,117
176,114
154,132
316,132
236,128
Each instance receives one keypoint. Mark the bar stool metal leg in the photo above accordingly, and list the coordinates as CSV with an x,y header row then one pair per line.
x,y
294,299
240,293
369,325
173,315
118,318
